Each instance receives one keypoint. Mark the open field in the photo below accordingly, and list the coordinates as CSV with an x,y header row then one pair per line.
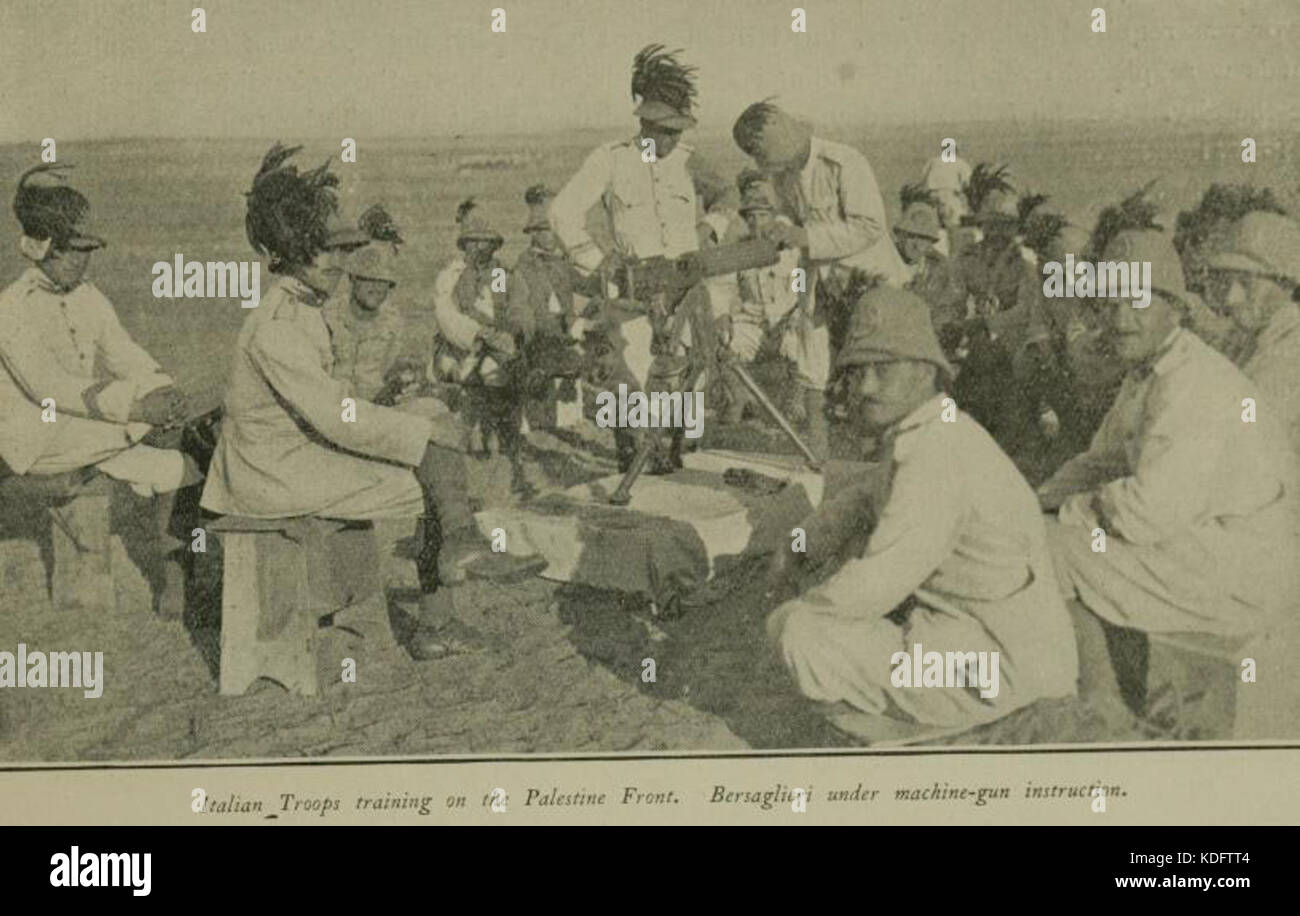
x,y
565,673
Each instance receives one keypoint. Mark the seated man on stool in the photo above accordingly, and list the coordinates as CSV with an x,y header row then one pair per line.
x,y
77,394
288,446
1196,501
956,561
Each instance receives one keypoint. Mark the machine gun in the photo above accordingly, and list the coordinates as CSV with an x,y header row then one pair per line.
x,y
662,283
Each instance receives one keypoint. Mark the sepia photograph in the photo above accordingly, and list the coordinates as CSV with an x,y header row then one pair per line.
x,y
911,384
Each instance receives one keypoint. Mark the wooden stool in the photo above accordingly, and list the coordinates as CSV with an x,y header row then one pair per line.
x,y
82,575
280,577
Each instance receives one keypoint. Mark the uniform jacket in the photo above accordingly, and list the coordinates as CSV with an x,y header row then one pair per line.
x,y
961,535
69,347
1273,363
464,303
285,448
834,197
541,293
650,207
364,348
1198,506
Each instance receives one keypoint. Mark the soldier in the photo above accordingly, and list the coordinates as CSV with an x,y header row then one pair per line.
x,y
1197,507
1253,279
917,235
646,188
946,180
956,559
62,346
286,448
366,330
829,193
771,310
543,308
475,342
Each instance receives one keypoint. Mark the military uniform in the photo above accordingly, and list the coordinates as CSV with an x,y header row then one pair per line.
x,y
69,346
285,449
364,347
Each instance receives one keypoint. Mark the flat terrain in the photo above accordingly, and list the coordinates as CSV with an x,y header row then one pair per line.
x,y
564,671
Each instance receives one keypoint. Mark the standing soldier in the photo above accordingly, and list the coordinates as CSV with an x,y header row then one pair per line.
x,y
645,186
918,234
285,448
474,343
829,193
62,346
542,310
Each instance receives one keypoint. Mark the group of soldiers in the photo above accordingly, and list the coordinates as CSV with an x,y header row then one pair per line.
x,y
942,543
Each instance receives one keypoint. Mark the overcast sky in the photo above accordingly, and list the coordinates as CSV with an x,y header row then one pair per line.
x,y
80,69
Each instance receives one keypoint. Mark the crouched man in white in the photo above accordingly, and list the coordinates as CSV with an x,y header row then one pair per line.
x,y
956,559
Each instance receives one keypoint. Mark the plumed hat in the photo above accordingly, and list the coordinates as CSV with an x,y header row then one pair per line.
x,y
51,213
291,216
473,226
538,199
663,87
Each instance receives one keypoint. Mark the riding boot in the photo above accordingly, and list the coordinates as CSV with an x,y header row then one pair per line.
x,y
173,513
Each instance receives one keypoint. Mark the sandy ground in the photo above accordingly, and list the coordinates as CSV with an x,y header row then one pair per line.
x,y
562,672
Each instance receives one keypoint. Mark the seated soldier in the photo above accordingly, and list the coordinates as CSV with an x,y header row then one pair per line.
x,y
287,447
65,352
1254,279
366,329
1197,505
956,559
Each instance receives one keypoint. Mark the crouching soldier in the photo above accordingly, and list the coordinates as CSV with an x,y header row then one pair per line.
x,y
65,353
1195,501
956,560
286,448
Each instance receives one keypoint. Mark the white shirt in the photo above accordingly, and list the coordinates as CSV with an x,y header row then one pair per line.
x,y
650,206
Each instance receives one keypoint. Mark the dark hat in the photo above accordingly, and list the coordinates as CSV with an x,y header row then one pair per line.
x,y
538,199
663,87
291,216
473,227
893,323
378,225
920,220
54,212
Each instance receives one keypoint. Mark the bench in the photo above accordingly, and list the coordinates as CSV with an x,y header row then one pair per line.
x,y
282,579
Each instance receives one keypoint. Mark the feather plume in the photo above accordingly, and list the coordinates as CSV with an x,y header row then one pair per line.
x,y
538,194
658,75
984,180
917,193
1133,212
377,223
1221,203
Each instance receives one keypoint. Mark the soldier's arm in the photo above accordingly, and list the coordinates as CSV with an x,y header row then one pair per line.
x,y
289,365
861,220
23,354
917,530
569,209
459,329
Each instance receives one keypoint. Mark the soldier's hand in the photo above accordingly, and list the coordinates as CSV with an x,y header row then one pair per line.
x,y
160,407
499,342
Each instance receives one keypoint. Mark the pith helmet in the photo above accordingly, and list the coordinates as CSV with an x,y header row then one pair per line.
x,y
473,227
374,262
538,199
53,214
756,192
1261,243
920,220
1154,246
891,322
